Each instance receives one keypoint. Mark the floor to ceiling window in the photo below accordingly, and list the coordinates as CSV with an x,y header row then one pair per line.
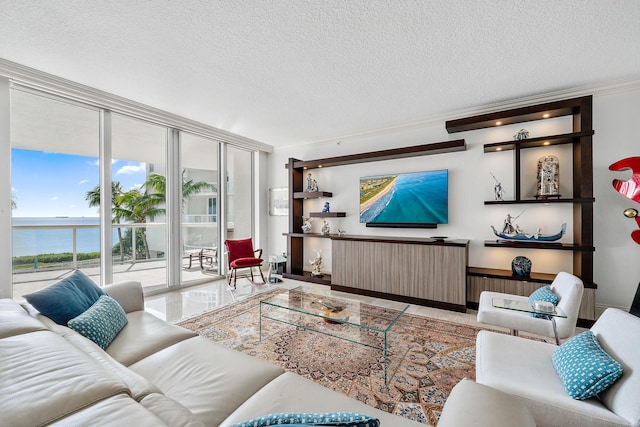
x,y
138,175
54,164
239,193
175,195
200,231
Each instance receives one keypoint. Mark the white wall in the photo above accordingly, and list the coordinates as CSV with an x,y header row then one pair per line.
x,y
617,257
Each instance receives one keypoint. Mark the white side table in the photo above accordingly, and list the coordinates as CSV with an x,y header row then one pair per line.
x,y
274,263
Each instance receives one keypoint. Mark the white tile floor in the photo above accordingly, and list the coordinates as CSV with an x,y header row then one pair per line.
x,y
176,305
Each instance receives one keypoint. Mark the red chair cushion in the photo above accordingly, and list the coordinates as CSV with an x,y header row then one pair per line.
x,y
246,262
240,249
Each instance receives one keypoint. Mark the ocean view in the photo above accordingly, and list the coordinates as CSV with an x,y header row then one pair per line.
x,y
419,197
27,242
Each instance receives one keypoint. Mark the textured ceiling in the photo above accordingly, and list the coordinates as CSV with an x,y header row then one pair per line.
x,y
293,71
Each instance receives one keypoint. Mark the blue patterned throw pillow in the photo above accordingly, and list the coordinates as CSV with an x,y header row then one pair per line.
x,y
584,367
67,298
291,419
101,322
543,294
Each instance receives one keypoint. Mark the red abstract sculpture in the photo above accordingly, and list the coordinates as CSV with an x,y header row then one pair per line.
x,y
630,188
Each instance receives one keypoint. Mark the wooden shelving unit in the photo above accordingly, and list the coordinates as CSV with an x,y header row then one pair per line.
x,y
297,168
582,198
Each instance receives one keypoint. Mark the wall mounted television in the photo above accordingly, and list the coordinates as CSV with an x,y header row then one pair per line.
x,y
405,200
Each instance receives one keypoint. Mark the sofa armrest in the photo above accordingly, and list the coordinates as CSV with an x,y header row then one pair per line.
x,y
128,294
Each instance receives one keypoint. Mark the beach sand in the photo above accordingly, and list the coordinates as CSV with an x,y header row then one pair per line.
x,y
366,205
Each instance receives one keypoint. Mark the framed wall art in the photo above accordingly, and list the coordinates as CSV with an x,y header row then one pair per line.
x,y
278,201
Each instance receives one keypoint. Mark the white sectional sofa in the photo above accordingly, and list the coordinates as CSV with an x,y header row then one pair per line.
x,y
152,374
524,368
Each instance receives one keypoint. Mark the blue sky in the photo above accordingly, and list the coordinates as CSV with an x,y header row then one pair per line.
x,y
52,184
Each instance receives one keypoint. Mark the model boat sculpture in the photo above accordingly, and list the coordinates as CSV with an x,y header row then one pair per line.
x,y
511,231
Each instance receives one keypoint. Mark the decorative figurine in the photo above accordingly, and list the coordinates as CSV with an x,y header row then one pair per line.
x,y
522,134
497,188
326,208
317,264
306,224
548,177
341,232
314,185
308,187
512,231
325,228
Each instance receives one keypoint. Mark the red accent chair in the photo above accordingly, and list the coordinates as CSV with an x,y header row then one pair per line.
x,y
242,255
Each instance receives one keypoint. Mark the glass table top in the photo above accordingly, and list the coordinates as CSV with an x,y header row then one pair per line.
x,y
338,309
521,305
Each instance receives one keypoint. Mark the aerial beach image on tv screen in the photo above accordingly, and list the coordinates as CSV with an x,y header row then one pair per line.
x,y
407,198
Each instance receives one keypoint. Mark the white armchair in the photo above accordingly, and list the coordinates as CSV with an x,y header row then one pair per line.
x,y
567,287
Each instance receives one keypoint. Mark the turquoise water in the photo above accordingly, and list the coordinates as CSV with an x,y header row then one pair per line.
x,y
56,240
416,198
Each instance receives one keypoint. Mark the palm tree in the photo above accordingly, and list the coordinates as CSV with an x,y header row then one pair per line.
x,y
158,183
137,206
93,197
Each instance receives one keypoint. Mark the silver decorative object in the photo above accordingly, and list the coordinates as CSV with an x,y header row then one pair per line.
x,y
522,134
325,228
548,177
306,224
497,188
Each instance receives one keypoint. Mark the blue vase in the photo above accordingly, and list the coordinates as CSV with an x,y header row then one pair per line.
x,y
521,266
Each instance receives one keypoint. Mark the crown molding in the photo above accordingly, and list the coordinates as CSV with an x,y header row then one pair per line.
x,y
23,76
610,87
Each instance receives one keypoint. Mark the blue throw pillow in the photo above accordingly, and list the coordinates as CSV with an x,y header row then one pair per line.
x,y
67,298
350,419
543,294
584,367
101,322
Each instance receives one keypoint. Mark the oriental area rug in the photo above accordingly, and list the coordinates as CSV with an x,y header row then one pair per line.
x,y
435,355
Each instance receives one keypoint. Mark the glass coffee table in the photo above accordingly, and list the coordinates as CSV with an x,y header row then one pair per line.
x,y
341,318
524,306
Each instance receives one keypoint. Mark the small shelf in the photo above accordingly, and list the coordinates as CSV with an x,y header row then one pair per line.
x,y
327,214
311,194
543,141
539,201
537,245
324,236
507,274
307,277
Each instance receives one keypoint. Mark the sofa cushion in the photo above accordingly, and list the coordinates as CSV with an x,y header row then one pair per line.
x,y
543,294
15,320
469,398
209,379
101,322
144,335
67,298
44,377
584,367
338,419
293,393
114,411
